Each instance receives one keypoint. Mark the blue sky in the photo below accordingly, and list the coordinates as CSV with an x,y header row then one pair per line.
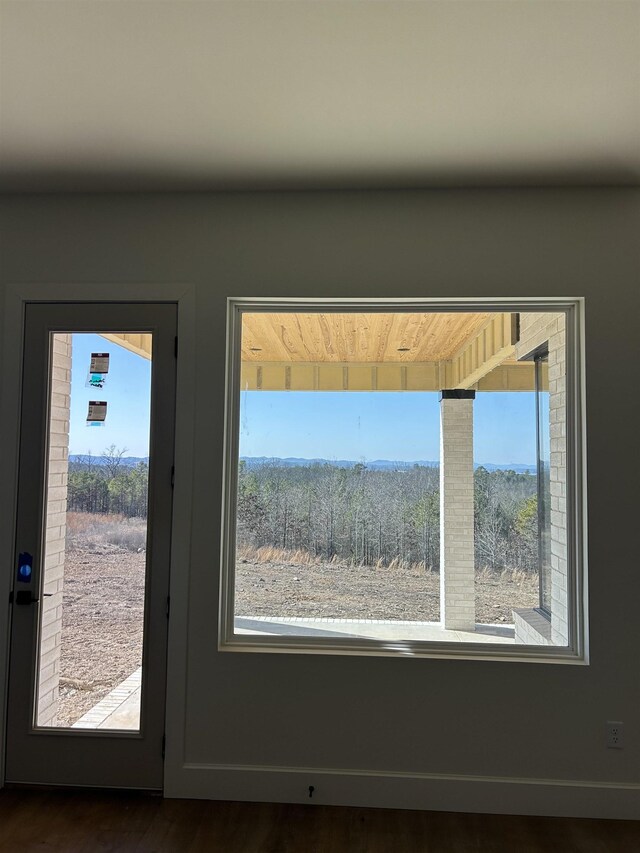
x,y
127,392
401,426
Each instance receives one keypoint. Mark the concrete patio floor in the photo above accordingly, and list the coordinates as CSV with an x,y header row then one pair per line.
x,y
120,709
376,629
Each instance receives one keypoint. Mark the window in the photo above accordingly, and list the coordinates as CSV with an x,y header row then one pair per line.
x,y
404,478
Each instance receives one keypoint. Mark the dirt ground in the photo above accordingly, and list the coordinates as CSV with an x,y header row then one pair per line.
x,y
104,599
102,613
362,592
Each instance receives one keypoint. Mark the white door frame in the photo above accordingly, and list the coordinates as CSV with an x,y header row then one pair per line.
x,y
10,401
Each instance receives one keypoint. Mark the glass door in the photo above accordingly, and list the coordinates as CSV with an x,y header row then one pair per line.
x,y
87,669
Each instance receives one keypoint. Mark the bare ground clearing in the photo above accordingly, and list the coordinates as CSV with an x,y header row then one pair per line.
x,y
102,614
104,602
338,590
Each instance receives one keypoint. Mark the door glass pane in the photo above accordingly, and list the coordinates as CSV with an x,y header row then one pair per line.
x,y
89,671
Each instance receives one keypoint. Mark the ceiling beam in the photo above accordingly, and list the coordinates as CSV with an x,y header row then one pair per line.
x,y
486,350
416,376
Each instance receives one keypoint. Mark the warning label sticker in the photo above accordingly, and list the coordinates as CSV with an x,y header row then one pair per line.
x,y
97,411
99,362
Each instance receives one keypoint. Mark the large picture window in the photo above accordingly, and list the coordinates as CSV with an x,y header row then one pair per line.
x,y
404,478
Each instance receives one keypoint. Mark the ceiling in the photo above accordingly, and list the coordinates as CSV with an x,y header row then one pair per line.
x,y
402,337
253,94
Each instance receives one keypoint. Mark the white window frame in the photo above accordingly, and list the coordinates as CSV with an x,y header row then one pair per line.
x,y
576,652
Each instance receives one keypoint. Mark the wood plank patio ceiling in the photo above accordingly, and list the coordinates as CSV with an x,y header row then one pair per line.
x,y
140,343
400,337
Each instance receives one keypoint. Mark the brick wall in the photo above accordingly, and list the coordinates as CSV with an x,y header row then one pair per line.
x,y
54,553
537,329
532,628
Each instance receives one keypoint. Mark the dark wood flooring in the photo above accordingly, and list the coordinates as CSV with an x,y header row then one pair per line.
x,y
99,822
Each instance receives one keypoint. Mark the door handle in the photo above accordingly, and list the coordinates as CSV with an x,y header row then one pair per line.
x,y
24,596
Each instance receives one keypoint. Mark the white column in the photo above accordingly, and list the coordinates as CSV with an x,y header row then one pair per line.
x,y
457,569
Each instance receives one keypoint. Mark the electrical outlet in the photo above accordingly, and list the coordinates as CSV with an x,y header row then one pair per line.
x,y
615,735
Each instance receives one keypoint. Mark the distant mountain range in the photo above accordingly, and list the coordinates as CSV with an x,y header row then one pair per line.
x,y
131,461
291,461
380,464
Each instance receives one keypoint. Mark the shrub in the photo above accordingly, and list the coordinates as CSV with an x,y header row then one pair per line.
x,y
91,530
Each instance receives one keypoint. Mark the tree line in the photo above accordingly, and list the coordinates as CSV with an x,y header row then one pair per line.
x,y
361,515
108,484
372,516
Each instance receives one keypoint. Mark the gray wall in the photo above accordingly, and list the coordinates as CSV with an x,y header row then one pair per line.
x,y
469,718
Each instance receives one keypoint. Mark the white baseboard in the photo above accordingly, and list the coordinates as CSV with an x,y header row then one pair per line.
x,y
432,792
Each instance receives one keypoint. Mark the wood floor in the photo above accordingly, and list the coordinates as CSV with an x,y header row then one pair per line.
x,y
101,822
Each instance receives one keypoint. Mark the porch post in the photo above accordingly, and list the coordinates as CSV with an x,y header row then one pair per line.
x,y
457,571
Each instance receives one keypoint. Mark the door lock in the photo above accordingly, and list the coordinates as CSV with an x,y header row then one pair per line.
x,y
24,575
